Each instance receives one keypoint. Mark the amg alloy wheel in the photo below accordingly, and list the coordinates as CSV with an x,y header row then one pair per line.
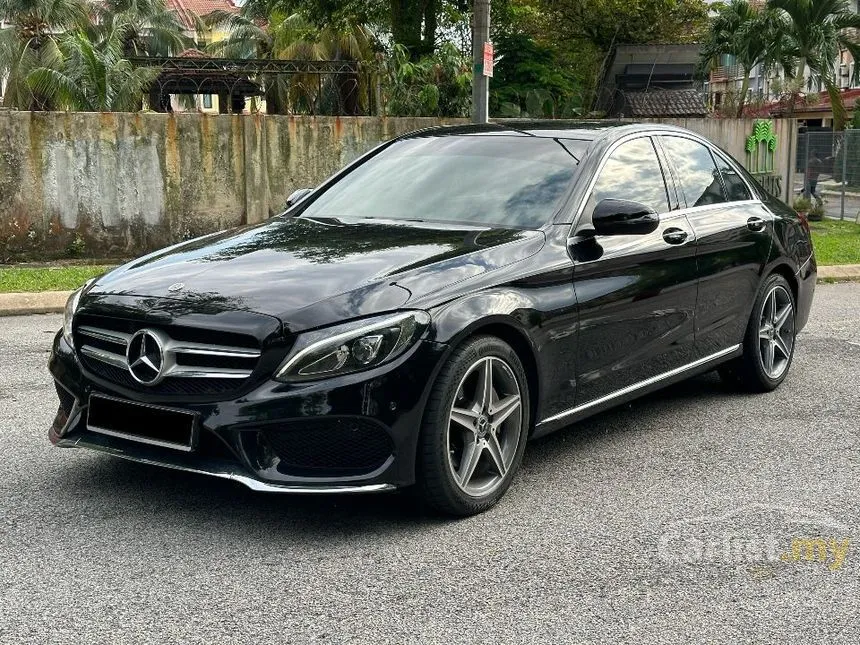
x,y
475,428
776,331
485,427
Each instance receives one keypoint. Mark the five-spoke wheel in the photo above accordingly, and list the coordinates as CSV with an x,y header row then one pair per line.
x,y
475,427
776,331
484,430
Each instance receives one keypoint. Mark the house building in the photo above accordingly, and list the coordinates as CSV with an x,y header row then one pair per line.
x,y
647,81
189,12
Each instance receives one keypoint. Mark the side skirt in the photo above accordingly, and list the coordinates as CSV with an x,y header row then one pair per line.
x,y
636,390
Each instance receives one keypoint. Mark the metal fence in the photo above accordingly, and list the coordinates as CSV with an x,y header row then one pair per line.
x,y
827,172
327,87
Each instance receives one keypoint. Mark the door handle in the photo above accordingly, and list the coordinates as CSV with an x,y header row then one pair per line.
x,y
756,224
675,235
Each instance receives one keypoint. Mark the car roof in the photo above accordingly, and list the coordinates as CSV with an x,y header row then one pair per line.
x,y
588,130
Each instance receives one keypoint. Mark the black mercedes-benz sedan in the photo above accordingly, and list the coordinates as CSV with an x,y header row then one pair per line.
x,y
416,319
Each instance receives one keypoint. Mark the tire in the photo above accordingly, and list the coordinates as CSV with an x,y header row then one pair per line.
x,y
764,364
463,439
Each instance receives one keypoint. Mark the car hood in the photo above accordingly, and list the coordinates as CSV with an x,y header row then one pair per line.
x,y
312,272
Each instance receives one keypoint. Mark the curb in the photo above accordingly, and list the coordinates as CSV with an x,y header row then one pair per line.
x,y
839,272
44,302
53,302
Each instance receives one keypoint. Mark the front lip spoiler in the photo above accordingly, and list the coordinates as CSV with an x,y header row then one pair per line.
x,y
222,470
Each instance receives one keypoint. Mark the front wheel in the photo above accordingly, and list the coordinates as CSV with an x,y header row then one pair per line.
x,y
475,427
769,340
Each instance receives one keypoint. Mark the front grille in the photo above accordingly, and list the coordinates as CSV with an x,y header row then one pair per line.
x,y
329,447
192,387
195,361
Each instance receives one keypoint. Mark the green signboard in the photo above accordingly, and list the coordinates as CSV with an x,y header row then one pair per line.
x,y
760,147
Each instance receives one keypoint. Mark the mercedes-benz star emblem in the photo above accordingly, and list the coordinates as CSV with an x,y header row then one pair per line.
x,y
145,355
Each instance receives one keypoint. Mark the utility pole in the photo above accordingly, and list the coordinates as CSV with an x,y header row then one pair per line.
x,y
480,75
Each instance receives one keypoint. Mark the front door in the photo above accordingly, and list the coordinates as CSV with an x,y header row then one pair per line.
x,y
636,293
733,239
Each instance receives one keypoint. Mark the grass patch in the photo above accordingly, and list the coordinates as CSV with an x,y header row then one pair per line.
x,y
836,242
61,278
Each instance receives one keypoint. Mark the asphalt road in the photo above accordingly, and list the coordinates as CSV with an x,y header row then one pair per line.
x,y
670,520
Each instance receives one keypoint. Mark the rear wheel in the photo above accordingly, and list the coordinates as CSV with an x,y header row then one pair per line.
x,y
769,340
474,430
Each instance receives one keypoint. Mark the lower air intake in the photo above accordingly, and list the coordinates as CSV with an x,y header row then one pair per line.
x,y
329,447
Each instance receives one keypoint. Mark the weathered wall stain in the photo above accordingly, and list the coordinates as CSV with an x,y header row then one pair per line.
x,y
123,184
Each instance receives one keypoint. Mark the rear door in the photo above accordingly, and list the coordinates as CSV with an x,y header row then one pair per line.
x,y
636,294
733,237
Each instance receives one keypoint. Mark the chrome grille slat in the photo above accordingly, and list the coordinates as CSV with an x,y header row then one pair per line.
x,y
105,356
185,371
107,335
223,351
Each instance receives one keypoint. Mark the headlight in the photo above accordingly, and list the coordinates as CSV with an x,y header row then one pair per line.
x,y
352,347
71,308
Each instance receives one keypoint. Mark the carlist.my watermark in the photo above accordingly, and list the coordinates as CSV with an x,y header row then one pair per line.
x,y
757,533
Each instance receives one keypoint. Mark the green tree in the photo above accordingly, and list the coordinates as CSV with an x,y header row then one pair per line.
x,y
31,42
529,81
415,24
93,76
294,37
437,85
752,37
148,27
817,30
605,23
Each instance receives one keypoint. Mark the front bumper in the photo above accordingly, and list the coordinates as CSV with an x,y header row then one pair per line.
x,y
236,437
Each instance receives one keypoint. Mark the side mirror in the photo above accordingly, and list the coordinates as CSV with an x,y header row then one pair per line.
x,y
298,196
623,217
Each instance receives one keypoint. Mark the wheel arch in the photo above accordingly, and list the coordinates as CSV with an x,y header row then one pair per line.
x,y
507,329
785,270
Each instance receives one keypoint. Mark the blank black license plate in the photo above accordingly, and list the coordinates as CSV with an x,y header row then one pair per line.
x,y
151,424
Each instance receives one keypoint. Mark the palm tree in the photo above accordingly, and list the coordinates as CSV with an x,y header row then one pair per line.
x,y
290,36
752,37
149,28
817,30
32,41
94,76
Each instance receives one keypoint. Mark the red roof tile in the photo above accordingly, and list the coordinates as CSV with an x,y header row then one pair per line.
x,y
186,9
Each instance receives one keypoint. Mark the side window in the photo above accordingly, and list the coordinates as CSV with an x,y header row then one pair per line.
x,y
633,172
697,173
735,186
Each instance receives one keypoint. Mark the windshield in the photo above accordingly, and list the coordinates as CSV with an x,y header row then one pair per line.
x,y
501,180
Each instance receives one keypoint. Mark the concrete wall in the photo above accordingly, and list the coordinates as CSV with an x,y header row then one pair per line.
x,y
118,184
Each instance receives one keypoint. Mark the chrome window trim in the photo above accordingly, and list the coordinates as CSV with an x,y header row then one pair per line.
x,y
656,133
694,210
641,384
